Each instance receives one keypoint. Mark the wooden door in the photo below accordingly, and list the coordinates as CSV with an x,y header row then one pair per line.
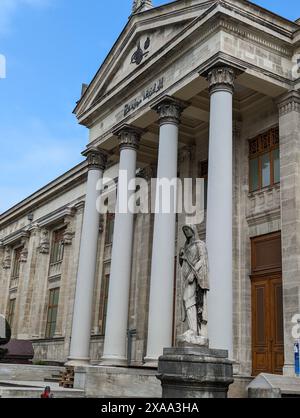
x,y
267,325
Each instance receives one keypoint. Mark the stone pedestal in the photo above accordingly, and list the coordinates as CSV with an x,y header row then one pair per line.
x,y
195,372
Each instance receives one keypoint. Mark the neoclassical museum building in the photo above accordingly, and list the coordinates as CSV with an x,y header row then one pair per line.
x,y
191,89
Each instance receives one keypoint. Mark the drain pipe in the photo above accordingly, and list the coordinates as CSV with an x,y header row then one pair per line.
x,y
130,334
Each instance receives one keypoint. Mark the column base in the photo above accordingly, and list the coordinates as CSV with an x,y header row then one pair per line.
x,y
78,361
195,372
114,361
289,370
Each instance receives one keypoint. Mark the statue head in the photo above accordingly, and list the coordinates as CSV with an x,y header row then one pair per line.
x,y
190,231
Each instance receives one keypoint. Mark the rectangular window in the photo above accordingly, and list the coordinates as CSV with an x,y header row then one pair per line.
x,y
110,223
52,312
264,165
57,249
104,302
16,263
11,312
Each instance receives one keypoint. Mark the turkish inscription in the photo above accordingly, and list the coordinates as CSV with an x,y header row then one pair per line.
x,y
145,95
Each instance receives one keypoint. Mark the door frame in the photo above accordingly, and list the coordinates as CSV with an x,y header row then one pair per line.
x,y
266,278
268,272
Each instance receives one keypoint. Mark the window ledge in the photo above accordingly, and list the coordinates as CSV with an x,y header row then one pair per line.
x,y
264,190
47,340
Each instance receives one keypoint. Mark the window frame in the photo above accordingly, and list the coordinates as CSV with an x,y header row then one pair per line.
x,y
16,266
263,144
10,312
104,303
57,246
50,308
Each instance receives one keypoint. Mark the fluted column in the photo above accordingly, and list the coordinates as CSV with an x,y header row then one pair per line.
x,y
160,321
115,346
219,208
82,317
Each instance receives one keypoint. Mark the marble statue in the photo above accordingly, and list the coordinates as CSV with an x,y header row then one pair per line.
x,y
195,285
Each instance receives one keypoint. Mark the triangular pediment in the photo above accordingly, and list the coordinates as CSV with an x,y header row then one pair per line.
x,y
144,38
143,46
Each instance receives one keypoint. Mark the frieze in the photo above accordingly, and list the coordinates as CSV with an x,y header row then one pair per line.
x,y
144,96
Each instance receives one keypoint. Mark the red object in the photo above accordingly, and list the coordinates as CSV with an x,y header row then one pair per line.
x,y
47,393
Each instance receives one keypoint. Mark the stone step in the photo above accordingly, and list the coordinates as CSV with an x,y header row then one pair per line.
x,y
35,393
35,389
55,378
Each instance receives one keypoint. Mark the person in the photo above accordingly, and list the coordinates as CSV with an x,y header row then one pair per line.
x,y
47,393
193,260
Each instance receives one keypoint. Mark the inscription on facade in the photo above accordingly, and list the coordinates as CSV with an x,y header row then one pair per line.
x,y
145,95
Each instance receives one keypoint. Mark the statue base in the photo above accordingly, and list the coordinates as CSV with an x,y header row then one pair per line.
x,y
195,372
190,339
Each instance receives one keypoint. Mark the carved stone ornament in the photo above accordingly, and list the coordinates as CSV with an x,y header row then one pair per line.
x,y
7,258
141,5
44,242
129,137
96,158
289,102
24,252
169,110
68,234
221,78
141,53
148,173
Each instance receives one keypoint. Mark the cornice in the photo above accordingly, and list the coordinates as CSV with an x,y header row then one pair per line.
x,y
60,185
56,216
254,35
15,237
264,216
218,20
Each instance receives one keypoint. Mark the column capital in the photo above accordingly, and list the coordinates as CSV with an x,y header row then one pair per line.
x,y
129,137
220,79
96,158
289,102
169,110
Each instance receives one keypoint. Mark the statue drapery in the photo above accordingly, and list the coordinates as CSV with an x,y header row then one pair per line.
x,y
193,259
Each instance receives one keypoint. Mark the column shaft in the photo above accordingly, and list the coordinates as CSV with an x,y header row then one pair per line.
x,y
160,324
82,317
119,285
219,210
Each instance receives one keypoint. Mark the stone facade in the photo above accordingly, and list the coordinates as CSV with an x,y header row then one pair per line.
x,y
186,40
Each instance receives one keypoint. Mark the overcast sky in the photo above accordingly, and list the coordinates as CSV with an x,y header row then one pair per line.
x,y
51,47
